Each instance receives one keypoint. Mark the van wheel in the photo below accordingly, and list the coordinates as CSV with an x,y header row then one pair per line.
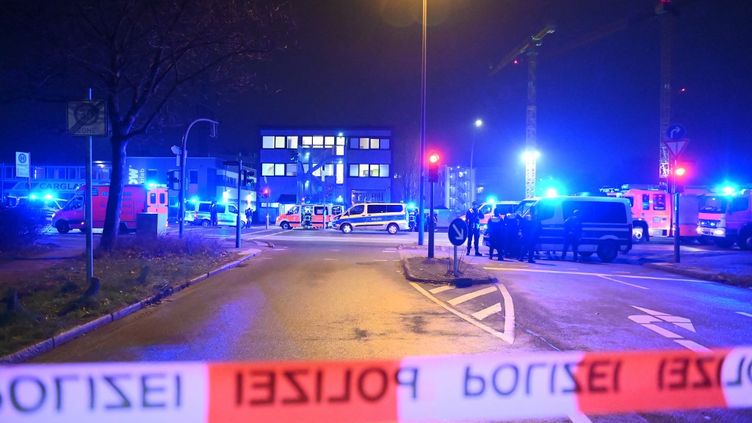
x,y
392,228
205,223
607,251
62,226
284,225
639,233
346,228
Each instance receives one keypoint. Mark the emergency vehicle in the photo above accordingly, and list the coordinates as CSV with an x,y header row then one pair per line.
x,y
136,199
392,217
309,215
653,211
727,219
488,208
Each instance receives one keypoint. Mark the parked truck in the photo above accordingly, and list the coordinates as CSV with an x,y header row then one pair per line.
x,y
727,219
136,199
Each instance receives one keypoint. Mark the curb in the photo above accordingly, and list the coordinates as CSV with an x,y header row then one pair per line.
x,y
723,278
73,333
459,281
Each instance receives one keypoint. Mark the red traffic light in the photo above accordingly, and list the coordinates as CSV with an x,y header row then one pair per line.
x,y
680,171
433,158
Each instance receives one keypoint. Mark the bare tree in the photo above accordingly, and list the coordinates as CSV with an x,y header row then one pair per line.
x,y
145,57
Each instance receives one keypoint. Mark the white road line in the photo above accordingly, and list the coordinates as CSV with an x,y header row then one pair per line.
x,y
621,282
558,272
744,314
663,332
330,259
440,289
579,418
380,260
470,295
508,311
488,311
692,345
505,336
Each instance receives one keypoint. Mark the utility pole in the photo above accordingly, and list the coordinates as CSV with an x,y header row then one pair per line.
x,y
665,10
423,59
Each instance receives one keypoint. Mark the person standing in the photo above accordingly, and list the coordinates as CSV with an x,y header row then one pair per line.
x,y
572,234
530,231
248,217
213,213
512,235
472,218
495,232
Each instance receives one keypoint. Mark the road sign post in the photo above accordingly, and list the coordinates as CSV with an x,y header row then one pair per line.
x,y
457,234
675,142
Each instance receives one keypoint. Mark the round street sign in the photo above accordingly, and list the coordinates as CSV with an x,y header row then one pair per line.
x,y
457,232
675,132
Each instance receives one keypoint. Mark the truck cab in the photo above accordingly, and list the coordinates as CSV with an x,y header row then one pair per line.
x,y
727,219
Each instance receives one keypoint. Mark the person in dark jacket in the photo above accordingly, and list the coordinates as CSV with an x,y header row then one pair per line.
x,y
472,218
495,232
572,234
213,213
530,229
248,217
511,235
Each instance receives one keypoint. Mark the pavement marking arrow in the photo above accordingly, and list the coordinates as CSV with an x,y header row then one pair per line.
x,y
657,316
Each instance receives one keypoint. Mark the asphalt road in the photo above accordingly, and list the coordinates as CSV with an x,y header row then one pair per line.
x,y
324,295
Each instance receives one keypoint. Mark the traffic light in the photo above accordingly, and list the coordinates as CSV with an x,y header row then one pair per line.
x,y
266,192
680,177
173,179
433,167
248,178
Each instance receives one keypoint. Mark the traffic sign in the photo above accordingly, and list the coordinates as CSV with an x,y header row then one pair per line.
x,y
22,164
457,232
675,132
676,147
87,118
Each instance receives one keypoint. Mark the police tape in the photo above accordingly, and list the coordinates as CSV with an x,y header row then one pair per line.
x,y
443,388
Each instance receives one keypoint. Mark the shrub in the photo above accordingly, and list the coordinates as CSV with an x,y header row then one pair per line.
x,y
20,227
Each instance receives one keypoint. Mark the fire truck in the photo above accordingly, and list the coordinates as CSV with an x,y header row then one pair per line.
x,y
314,216
136,199
727,219
653,211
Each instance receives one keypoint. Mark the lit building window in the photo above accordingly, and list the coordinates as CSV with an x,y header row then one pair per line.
x,y
318,142
279,169
384,171
268,142
374,143
307,142
363,170
341,141
279,142
329,142
267,169
340,150
364,143
292,142
353,171
340,174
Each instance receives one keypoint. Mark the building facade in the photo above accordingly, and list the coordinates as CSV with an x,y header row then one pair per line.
x,y
324,166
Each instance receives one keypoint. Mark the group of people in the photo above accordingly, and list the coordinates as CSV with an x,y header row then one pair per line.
x,y
213,215
514,236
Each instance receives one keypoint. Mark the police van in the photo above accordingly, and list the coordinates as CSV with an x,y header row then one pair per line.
x,y
606,223
392,217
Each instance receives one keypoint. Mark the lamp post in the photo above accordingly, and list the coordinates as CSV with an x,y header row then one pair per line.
x,y
478,125
423,60
183,157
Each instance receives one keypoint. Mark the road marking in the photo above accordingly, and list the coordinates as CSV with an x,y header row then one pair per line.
x,y
389,250
469,296
622,282
558,272
440,289
663,332
330,259
506,336
744,314
578,418
692,345
488,311
380,260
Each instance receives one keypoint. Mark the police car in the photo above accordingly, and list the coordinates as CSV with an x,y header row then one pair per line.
x,y
392,217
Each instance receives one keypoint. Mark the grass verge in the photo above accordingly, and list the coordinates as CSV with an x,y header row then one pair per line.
x,y
49,300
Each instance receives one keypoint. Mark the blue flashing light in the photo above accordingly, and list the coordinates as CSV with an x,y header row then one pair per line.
x,y
728,190
491,199
151,184
48,196
339,199
33,196
552,192
194,200
411,205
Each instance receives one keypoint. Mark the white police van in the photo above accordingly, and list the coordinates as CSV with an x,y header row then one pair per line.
x,y
606,223
392,217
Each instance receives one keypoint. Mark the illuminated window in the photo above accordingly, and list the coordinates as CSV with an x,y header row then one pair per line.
x,y
329,142
279,169
340,150
291,170
364,143
363,170
374,143
268,142
292,142
267,169
340,174
385,144
329,170
341,141
318,142
353,171
307,142
279,142
384,171
374,168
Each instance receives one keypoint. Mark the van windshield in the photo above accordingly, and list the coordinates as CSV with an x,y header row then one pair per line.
x,y
524,207
713,204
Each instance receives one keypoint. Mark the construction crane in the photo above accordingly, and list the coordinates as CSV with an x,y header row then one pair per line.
x,y
667,12
530,49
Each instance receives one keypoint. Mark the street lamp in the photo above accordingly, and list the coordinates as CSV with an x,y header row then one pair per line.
x,y
478,124
183,158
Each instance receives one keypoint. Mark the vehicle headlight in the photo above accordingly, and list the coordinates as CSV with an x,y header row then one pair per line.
x,y
699,229
719,232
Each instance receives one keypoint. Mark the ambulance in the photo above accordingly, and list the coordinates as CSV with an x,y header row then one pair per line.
x,y
653,211
314,216
136,199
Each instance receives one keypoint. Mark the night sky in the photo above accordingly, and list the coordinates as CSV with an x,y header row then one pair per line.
x,y
357,63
